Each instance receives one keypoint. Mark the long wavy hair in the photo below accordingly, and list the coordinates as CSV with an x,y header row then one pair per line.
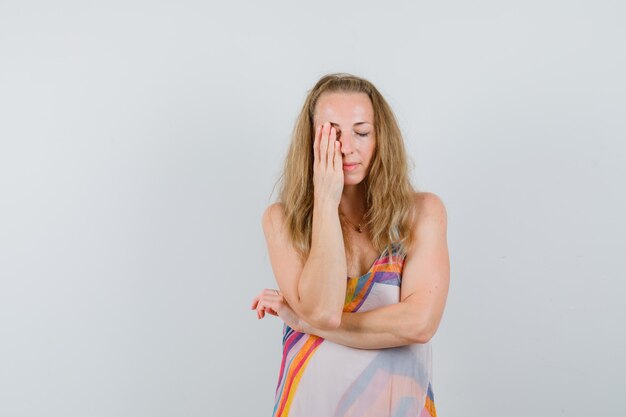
x,y
390,197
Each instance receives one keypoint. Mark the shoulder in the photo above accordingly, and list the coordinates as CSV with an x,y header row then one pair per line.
x,y
429,204
431,214
274,211
273,217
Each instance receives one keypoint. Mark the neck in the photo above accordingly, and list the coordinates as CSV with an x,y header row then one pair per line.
x,y
352,202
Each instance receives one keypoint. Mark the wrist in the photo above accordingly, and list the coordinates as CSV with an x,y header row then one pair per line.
x,y
325,204
306,327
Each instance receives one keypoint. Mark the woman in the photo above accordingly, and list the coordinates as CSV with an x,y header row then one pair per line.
x,y
360,259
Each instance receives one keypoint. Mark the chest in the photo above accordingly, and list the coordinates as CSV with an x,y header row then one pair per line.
x,y
361,261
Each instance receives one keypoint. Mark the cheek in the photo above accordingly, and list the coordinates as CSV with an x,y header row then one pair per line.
x,y
367,152
372,149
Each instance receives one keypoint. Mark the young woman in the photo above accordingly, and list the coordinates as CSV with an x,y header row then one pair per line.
x,y
360,259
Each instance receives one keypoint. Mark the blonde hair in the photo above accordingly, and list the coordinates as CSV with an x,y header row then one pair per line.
x,y
389,193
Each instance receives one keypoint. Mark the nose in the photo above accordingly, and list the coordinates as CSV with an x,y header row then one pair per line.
x,y
346,143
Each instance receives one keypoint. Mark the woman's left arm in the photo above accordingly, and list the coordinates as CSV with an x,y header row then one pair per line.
x,y
423,292
383,327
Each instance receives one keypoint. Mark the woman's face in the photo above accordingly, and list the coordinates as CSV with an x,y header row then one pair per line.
x,y
352,115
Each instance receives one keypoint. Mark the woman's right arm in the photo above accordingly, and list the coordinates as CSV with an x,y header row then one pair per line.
x,y
316,291
322,285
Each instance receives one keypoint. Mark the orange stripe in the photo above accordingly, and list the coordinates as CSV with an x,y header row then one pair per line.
x,y
430,406
293,377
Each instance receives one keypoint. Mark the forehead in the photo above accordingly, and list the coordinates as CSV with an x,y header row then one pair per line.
x,y
344,108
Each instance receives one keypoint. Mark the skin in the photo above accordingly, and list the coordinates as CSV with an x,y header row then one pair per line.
x,y
349,118
426,270
345,112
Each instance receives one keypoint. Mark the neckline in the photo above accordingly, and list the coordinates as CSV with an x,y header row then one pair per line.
x,y
371,267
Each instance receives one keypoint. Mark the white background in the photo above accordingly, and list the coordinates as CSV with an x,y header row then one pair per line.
x,y
140,141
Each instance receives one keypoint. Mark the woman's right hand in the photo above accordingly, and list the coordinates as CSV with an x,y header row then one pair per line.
x,y
274,303
327,165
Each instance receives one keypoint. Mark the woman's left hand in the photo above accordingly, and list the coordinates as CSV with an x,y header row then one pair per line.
x,y
275,304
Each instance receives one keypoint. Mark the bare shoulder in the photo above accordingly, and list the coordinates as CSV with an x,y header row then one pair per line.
x,y
277,237
431,220
273,219
429,208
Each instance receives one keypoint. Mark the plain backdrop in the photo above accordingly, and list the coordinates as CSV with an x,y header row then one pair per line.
x,y
140,142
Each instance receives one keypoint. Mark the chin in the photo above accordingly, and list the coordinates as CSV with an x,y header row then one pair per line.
x,y
353,181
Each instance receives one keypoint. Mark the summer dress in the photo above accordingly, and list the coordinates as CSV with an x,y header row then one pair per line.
x,y
320,378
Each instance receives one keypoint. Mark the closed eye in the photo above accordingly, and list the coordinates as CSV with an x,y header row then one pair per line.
x,y
362,134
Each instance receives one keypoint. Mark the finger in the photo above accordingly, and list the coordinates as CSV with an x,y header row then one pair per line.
x,y
254,301
337,149
265,305
316,145
259,309
271,295
324,147
332,138
337,164
271,307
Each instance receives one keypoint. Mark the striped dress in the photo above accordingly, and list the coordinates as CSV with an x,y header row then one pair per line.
x,y
320,378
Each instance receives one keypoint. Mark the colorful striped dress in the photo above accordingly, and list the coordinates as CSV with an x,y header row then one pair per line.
x,y
320,378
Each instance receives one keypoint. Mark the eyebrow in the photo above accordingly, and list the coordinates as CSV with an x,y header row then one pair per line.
x,y
356,124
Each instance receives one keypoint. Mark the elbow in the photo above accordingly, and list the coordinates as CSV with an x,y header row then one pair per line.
x,y
322,320
333,323
422,338
422,333
326,322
